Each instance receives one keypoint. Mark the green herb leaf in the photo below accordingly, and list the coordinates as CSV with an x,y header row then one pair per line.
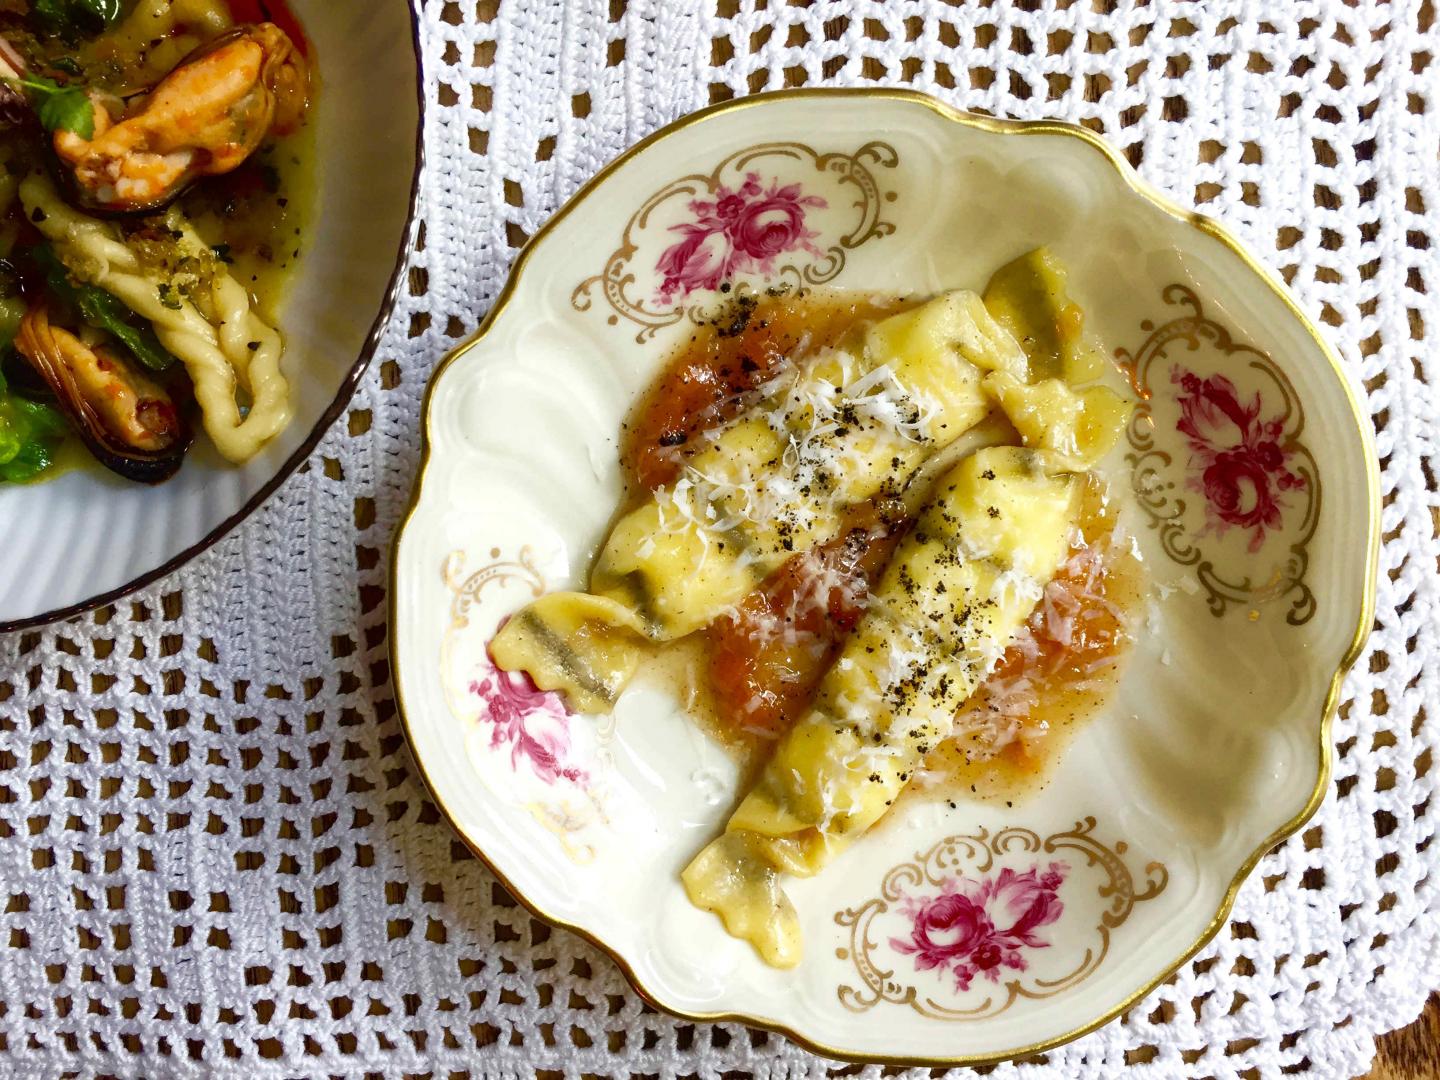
x,y
12,439
44,421
76,17
12,310
69,110
105,11
60,108
55,13
28,434
105,312
28,462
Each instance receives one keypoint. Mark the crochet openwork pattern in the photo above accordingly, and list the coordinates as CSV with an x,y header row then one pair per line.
x,y
216,856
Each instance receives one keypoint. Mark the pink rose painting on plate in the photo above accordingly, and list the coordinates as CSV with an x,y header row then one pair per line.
x,y
739,230
1238,460
1226,424
972,925
768,214
982,927
532,722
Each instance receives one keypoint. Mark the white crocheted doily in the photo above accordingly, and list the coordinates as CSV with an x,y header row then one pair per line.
x,y
216,857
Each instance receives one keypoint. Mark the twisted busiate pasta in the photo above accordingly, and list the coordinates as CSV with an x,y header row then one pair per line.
x,y
215,332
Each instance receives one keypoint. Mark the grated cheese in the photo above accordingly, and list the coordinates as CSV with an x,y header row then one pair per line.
x,y
827,431
1002,711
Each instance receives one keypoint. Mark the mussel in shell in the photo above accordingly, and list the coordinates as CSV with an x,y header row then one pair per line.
x,y
203,119
128,421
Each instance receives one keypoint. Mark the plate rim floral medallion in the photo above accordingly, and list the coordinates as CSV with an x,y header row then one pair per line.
x,y
992,125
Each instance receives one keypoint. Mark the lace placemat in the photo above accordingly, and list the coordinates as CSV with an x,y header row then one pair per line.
x,y
216,856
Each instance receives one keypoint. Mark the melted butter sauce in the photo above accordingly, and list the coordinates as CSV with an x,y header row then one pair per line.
x,y
261,216
745,695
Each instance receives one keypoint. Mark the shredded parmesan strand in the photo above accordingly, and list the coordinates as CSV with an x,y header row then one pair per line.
x,y
827,430
1002,711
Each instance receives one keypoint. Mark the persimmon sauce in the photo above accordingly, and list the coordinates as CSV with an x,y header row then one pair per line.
x,y
708,380
760,665
1056,673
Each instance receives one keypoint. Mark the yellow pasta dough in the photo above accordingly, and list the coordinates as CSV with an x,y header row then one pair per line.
x,y
843,426
1078,426
958,588
160,34
1029,297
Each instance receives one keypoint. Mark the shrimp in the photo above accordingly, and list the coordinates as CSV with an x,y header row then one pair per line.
x,y
203,119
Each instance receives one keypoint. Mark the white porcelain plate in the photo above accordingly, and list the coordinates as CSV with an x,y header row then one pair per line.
x,y
1253,491
117,535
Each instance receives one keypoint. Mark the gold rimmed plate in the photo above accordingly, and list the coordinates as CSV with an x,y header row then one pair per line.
x,y
1251,488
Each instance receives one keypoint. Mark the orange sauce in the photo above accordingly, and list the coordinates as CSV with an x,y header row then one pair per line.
x,y
767,660
706,381
750,676
758,685
1071,664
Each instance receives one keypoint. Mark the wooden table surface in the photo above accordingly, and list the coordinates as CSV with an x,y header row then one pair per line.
x,y
1412,1053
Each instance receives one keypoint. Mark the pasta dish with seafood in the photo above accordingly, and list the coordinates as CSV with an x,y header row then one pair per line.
x,y
151,205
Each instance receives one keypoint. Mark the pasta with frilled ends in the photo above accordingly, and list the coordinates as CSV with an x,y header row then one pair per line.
x,y
207,319
1055,402
959,587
